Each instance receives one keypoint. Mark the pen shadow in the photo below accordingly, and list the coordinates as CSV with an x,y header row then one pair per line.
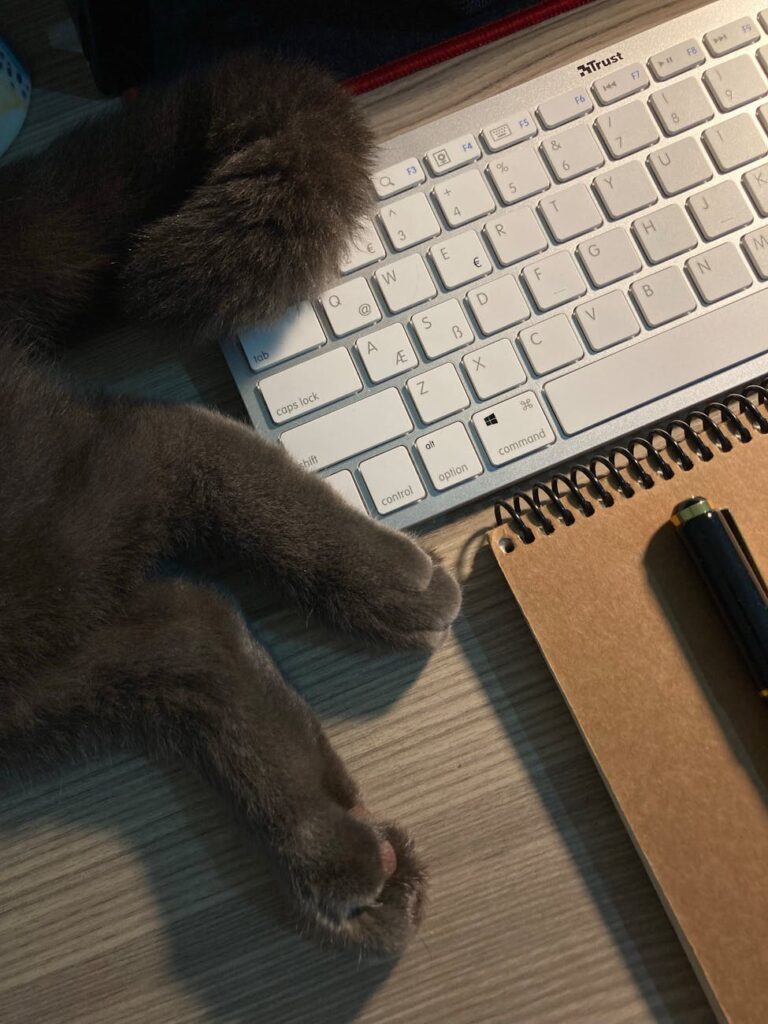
x,y
529,705
711,653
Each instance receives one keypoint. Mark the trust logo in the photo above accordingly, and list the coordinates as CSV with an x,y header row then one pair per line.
x,y
601,62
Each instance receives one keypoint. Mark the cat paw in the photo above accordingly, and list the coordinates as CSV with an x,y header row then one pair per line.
x,y
287,180
370,895
388,589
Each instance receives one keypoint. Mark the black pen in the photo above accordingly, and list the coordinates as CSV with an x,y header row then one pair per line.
x,y
716,546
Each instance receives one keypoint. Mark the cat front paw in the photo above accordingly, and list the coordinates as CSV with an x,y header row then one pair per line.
x,y
286,180
368,897
386,588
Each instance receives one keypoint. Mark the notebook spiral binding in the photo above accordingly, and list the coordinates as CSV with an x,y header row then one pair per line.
x,y
544,501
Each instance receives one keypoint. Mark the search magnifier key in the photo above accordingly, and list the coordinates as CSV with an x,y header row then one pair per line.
x,y
398,178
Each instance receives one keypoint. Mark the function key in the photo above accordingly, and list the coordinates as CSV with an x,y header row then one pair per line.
x,y
731,37
620,84
562,109
676,60
516,128
398,178
453,154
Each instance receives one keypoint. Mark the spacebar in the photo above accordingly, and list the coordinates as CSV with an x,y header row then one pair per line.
x,y
661,365
348,431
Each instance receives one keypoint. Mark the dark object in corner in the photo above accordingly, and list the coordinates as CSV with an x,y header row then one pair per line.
x,y
130,43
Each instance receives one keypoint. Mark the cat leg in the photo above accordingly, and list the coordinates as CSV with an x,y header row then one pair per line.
x,y
245,497
230,193
180,675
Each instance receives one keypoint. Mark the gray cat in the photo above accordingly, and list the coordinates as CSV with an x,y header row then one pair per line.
x,y
217,201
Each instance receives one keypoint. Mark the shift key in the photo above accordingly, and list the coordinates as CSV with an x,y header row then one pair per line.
x,y
513,429
348,431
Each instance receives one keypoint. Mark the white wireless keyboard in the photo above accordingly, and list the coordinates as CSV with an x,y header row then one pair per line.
x,y
547,270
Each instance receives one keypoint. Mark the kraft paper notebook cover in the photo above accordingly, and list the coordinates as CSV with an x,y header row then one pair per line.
x,y
664,702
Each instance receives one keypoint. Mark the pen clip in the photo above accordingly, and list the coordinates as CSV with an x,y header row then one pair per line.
x,y
746,553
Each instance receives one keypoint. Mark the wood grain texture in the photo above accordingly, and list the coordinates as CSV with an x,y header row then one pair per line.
x,y
127,894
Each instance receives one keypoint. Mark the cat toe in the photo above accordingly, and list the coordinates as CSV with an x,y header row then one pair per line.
x,y
370,896
406,598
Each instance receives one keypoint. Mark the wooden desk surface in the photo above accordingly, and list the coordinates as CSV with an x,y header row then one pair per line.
x,y
127,894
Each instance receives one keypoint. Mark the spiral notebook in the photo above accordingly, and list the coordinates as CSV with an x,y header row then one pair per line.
x,y
654,680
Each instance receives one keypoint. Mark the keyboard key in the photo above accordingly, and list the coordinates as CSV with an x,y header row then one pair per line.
x,y
572,153
570,213
735,82
718,273
515,236
350,307
663,296
619,84
464,198
551,344
364,248
735,142
625,189
438,393
405,283
386,353
498,304
513,428
756,183
409,221
731,37
494,369
297,332
664,233
513,129
442,328
518,175
554,280
627,129
609,257
756,247
720,209
660,365
351,430
679,166
677,59
310,385
460,259
449,456
681,105
567,107
344,484
398,178
607,320
453,154
762,56
392,480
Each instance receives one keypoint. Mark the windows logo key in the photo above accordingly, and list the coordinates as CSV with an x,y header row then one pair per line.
x,y
490,421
